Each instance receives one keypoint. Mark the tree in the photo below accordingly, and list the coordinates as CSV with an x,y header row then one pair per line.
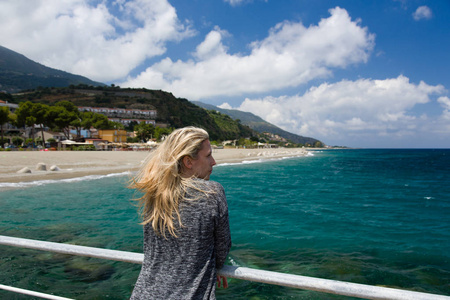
x,y
87,120
130,126
144,131
115,125
51,140
100,121
254,139
4,118
65,115
39,112
30,114
160,132
318,144
39,141
17,141
77,124
60,117
25,116
132,140
69,106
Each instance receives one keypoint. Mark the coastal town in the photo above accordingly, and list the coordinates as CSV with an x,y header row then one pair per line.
x,y
30,137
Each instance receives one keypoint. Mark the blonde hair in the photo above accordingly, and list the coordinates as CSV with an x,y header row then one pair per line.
x,y
161,180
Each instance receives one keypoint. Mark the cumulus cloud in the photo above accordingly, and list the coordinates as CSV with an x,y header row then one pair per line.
x,y
445,103
225,105
85,38
290,55
212,45
351,109
422,12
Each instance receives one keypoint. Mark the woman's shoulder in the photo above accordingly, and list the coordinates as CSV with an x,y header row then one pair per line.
x,y
207,184
214,184
211,188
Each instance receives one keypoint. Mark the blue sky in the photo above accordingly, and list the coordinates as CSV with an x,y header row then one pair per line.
x,y
372,73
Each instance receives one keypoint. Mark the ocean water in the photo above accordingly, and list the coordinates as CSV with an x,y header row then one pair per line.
x,y
378,217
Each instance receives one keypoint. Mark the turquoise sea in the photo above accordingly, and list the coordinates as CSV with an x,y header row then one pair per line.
x,y
378,217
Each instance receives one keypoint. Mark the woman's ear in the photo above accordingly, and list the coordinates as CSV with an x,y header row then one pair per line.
x,y
187,162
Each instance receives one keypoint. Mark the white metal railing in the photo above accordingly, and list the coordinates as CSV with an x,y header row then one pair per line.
x,y
269,277
32,293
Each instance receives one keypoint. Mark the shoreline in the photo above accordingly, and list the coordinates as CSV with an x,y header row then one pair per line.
x,y
73,164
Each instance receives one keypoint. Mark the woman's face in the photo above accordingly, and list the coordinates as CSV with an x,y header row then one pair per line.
x,y
202,166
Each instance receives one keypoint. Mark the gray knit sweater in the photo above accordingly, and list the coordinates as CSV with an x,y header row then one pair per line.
x,y
185,267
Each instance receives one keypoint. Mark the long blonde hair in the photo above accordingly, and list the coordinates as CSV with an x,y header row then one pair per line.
x,y
161,180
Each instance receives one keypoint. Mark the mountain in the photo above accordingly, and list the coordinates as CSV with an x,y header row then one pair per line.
x,y
18,73
258,124
47,85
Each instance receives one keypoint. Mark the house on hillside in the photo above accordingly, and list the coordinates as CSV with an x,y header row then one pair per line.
x,y
9,130
57,136
84,133
274,137
12,107
126,122
124,115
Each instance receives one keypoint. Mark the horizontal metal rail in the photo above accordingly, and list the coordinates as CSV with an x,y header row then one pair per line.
x,y
130,257
32,293
269,277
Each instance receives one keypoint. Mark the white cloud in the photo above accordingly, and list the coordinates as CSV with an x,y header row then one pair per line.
x,y
212,45
83,38
352,110
445,102
225,105
422,12
290,55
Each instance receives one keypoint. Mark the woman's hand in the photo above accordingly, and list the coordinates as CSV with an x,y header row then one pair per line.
x,y
224,281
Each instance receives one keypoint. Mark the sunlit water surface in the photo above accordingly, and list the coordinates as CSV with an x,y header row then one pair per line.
x,y
378,217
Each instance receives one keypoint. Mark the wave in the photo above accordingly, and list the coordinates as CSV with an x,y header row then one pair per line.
x,y
263,160
28,184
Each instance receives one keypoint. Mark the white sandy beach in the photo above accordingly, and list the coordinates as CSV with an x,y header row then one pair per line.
x,y
82,163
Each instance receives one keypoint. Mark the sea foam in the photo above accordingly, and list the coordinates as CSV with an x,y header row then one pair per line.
x,y
263,160
28,184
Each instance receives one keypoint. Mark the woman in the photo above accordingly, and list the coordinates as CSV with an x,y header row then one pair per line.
x,y
185,218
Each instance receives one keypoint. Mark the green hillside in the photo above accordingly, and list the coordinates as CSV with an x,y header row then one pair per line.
x,y
258,124
175,112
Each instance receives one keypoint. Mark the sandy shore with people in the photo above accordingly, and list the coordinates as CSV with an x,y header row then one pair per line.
x,y
71,164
